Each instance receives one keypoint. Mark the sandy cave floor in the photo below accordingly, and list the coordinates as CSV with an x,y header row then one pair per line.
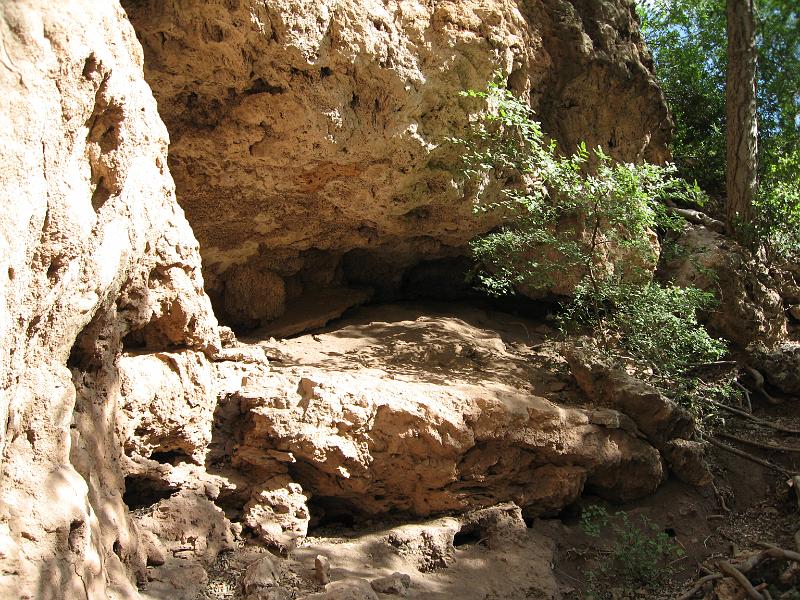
x,y
448,344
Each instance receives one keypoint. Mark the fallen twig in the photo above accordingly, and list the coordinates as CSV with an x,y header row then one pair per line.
x,y
750,457
757,444
746,393
755,419
728,569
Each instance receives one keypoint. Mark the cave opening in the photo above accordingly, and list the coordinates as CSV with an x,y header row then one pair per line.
x,y
142,492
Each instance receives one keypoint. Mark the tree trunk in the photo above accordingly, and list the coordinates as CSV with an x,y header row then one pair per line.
x,y
740,112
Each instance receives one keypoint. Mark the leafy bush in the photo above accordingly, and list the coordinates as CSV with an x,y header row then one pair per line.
x,y
640,552
655,324
777,208
579,213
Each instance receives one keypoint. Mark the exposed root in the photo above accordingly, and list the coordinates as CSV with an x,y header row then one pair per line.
x,y
750,457
754,419
759,385
746,393
757,444
739,572
699,586
731,571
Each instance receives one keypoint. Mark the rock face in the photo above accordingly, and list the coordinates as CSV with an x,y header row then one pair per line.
x,y
750,306
419,417
308,147
93,250
308,138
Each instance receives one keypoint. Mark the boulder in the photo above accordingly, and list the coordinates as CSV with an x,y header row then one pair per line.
x,y
780,365
749,306
380,445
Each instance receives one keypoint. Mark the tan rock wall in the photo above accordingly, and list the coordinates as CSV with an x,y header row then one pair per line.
x,y
92,247
307,131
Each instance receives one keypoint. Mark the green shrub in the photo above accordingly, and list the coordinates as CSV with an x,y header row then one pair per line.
x,y
640,552
576,214
654,324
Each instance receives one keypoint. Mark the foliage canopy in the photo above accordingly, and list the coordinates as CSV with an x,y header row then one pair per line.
x,y
688,42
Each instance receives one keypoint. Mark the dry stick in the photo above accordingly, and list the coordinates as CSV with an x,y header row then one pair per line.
x,y
700,583
741,413
746,393
748,456
732,571
757,444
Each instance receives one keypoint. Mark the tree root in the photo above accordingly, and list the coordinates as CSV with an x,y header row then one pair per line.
x,y
746,393
759,385
757,444
731,571
750,417
699,585
739,572
750,457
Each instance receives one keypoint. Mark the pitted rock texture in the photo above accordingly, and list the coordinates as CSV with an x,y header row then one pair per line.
x,y
308,139
489,553
422,416
780,365
93,249
750,307
167,401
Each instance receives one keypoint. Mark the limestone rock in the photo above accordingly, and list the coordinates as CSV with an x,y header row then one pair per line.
x,y
156,553
486,554
750,306
167,403
177,579
308,140
94,253
686,459
396,584
429,546
780,365
383,445
190,523
657,417
346,589
277,512
322,569
260,575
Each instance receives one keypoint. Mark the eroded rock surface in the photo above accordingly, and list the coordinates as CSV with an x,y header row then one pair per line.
x,y
750,306
449,557
420,417
93,250
780,366
308,138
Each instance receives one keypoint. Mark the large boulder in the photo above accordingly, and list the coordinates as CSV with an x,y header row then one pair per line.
x,y
750,307
376,445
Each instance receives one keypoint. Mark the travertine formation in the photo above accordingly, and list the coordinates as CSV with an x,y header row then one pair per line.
x,y
308,139
138,440
751,306
93,250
